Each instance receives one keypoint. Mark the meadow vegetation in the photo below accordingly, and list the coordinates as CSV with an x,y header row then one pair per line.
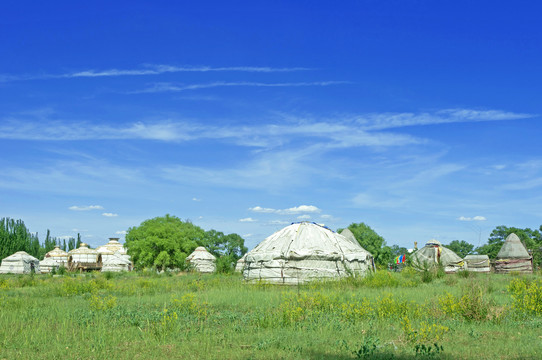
x,y
145,315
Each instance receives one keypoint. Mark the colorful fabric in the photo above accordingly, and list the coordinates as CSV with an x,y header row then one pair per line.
x,y
401,259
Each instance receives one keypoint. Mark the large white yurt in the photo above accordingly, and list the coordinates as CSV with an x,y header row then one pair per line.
x,y
513,257
54,259
116,262
433,253
303,252
20,263
201,260
84,258
111,248
240,264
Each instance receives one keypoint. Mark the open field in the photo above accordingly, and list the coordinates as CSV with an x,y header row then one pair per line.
x,y
386,316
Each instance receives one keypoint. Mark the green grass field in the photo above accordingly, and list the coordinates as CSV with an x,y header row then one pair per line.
x,y
386,316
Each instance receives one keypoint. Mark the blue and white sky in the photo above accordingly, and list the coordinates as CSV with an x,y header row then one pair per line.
x,y
419,118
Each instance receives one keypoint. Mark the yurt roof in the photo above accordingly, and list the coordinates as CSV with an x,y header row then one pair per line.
x,y
433,242
111,247
56,252
473,257
427,254
20,255
116,259
82,249
513,249
306,240
347,233
242,259
201,253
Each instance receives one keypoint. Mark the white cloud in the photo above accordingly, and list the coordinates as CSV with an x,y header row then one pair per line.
x,y
325,216
121,232
279,222
247,235
304,217
475,218
248,219
110,215
260,209
300,209
196,199
86,208
169,87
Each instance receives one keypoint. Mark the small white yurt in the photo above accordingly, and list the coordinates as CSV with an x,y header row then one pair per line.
x,y
478,263
112,247
240,264
54,259
513,257
116,263
303,252
20,263
84,258
201,260
433,253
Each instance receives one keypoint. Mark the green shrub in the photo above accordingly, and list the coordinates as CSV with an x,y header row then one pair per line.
x,y
527,296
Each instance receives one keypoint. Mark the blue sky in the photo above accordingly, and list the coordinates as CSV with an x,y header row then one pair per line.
x,y
419,118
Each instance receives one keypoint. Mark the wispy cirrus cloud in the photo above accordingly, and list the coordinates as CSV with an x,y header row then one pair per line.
x,y
475,218
248,219
109,214
169,87
86,207
290,211
148,70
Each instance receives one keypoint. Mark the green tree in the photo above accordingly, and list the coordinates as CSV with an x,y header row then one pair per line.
x,y
460,247
163,242
71,244
372,242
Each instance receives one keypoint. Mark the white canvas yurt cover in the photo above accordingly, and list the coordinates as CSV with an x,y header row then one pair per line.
x,y
54,259
513,257
202,261
433,253
84,258
20,263
116,262
305,251
240,264
113,249
478,263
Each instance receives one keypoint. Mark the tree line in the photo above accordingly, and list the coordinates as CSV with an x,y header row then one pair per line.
x,y
15,236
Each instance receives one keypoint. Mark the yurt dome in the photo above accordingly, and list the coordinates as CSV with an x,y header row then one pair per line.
x,y
478,263
513,257
303,252
434,253
54,259
240,264
201,260
111,248
116,262
84,258
349,235
20,263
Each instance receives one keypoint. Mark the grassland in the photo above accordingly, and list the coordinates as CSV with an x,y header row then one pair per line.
x,y
174,316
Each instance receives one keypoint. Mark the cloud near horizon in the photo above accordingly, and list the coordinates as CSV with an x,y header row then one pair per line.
x,y
86,208
475,218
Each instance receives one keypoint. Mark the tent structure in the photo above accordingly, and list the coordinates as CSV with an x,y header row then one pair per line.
x,y
20,263
302,252
349,235
478,263
202,261
513,257
113,249
433,253
240,264
53,260
116,263
84,259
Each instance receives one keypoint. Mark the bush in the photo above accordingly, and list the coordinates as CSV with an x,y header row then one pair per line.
x,y
527,296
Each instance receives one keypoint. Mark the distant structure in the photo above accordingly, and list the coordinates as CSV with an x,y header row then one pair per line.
x,y
54,259
303,252
84,259
20,263
202,261
478,263
240,264
513,257
115,256
433,254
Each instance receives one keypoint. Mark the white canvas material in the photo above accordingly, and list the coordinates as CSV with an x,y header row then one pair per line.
x,y
202,261
54,259
513,257
112,249
116,262
20,263
434,253
303,252
478,263
83,255
240,264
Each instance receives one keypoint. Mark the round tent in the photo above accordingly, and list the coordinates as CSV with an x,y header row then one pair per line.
x,y
113,249
116,262
20,263
305,251
53,260
240,264
84,258
201,260
513,257
433,253
478,263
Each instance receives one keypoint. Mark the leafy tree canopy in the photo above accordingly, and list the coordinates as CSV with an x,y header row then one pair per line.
x,y
460,247
163,242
